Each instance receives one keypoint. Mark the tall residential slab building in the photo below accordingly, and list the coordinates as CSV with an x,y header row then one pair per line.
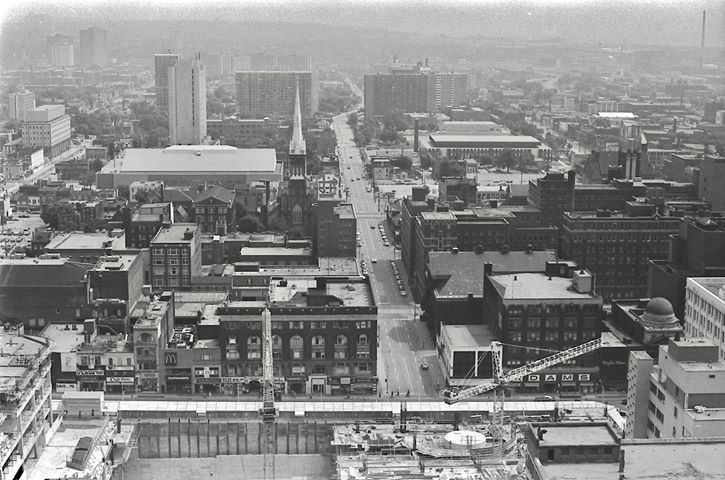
x,y
93,48
162,62
407,92
272,94
19,104
187,103
60,51
413,90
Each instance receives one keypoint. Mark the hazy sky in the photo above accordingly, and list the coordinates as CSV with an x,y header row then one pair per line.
x,y
613,21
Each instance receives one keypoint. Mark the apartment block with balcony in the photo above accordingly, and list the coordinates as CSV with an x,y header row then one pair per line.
x,y
151,321
26,411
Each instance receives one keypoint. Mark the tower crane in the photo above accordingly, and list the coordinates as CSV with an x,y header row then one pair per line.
x,y
268,411
452,396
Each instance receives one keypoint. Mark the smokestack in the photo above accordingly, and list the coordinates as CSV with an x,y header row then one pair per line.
x,y
702,38
416,127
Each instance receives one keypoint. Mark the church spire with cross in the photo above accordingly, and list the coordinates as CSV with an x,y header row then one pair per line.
x,y
297,145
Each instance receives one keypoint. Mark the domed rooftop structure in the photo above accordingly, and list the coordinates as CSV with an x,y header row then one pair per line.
x,y
659,306
659,313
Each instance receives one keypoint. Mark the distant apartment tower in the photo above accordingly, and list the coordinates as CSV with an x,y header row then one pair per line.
x,y
60,51
449,89
93,48
407,92
187,103
283,63
48,126
705,310
272,94
19,104
162,62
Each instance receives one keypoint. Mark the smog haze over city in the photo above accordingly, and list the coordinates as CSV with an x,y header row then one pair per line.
x,y
362,240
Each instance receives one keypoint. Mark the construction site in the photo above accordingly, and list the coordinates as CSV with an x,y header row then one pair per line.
x,y
143,440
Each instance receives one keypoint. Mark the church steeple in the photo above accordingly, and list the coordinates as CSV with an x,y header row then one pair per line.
x,y
297,145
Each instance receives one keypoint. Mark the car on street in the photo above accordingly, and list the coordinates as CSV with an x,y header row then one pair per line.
x,y
386,243
403,293
372,227
424,365
373,260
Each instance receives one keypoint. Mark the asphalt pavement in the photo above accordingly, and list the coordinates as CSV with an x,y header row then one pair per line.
x,y
404,344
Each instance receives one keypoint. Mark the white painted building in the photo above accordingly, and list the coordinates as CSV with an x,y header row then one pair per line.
x,y
187,103
705,310
48,126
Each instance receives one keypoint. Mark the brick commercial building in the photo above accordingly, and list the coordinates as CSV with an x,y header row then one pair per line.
x,y
545,312
617,247
324,337
175,256
336,227
38,291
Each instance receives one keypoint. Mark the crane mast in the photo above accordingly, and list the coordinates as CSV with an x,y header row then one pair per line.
x,y
268,411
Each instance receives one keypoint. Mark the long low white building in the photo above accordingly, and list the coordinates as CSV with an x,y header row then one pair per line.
x,y
191,165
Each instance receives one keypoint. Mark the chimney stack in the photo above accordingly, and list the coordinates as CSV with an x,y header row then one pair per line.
x,y
416,127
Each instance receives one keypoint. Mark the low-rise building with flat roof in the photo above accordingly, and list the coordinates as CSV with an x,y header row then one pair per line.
x,y
42,290
230,167
87,247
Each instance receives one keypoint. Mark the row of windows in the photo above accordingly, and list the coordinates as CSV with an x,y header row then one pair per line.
x,y
296,341
301,325
548,323
566,336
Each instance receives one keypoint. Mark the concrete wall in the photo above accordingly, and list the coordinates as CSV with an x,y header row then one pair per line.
x,y
179,438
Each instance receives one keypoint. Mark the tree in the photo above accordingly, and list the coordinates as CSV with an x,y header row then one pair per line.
x,y
448,168
250,224
506,159
296,233
277,224
352,119
396,121
402,162
51,214
389,136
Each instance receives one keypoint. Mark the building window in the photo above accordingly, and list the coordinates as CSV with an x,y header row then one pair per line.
x,y
341,340
362,339
232,354
318,341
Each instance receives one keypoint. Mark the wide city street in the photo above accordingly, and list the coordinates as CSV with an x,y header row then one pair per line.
x,y
404,342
